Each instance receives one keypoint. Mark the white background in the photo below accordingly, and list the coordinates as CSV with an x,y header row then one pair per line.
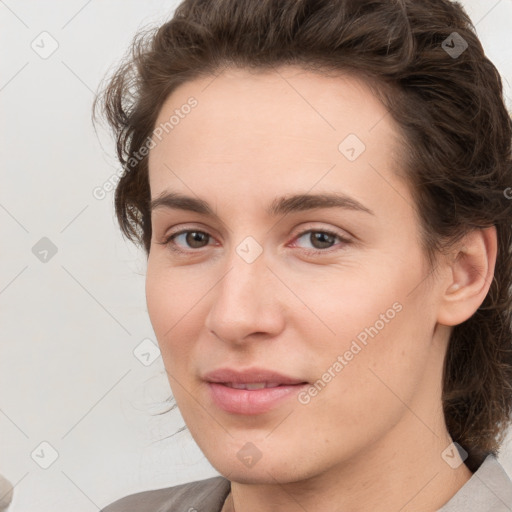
x,y
68,375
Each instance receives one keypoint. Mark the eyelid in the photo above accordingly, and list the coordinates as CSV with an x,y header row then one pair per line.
x,y
184,228
300,231
344,241
340,233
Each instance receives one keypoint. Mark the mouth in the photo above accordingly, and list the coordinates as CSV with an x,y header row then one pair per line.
x,y
252,385
250,392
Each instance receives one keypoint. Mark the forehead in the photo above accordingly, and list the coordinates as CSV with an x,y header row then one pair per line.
x,y
263,129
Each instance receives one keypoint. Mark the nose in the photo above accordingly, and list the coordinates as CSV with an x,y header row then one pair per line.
x,y
245,303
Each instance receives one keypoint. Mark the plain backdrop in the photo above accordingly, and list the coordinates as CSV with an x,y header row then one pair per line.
x,y
77,400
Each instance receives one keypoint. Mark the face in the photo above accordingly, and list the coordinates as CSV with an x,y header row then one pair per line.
x,y
323,302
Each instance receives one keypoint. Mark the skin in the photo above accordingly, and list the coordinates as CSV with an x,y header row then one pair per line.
x,y
372,439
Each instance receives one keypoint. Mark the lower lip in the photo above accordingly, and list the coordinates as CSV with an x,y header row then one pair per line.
x,y
251,401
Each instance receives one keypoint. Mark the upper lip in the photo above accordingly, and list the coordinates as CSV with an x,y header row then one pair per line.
x,y
251,375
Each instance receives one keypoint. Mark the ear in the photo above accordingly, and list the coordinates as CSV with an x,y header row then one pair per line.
x,y
470,271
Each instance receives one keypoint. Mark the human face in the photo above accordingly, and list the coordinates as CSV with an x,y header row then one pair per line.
x,y
250,292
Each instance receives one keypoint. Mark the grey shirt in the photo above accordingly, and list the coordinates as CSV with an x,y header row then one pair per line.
x,y
488,490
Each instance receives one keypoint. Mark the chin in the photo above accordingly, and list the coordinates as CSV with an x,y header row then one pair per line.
x,y
263,472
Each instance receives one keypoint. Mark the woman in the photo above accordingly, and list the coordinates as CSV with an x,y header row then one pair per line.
x,y
321,191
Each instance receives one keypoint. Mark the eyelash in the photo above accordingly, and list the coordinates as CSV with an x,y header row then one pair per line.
x,y
169,241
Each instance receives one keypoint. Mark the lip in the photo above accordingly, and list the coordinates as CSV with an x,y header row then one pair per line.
x,y
223,375
254,401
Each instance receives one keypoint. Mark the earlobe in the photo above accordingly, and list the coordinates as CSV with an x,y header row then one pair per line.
x,y
469,276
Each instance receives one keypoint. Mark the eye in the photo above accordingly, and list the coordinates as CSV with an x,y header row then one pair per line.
x,y
192,239
322,241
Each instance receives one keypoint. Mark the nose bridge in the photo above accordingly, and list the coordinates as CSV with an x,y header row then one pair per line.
x,y
243,302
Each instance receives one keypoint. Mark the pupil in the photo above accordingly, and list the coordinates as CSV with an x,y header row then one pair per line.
x,y
195,237
320,237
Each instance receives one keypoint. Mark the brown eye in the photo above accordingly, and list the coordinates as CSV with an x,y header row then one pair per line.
x,y
190,240
196,239
321,240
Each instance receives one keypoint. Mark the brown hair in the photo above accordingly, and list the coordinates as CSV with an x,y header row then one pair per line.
x,y
449,106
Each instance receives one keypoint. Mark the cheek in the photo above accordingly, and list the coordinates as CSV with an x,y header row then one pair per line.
x,y
176,311
171,295
378,363
159,301
169,310
362,388
379,334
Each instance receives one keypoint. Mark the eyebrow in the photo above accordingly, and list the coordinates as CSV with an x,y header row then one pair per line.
x,y
279,206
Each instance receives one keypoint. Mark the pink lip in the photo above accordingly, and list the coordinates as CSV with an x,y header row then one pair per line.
x,y
223,375
254,401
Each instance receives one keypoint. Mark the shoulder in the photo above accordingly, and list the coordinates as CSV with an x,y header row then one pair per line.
x,y
205,495
489,489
